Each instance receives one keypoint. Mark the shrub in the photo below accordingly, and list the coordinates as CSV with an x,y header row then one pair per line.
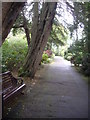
x,y
86,64
47,56
78,60
13,54
48,52
68,56
44,58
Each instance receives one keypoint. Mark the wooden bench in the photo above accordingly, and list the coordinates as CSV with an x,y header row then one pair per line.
x,y
11,85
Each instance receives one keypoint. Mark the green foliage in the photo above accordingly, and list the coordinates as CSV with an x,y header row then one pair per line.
x,y
80,56
22,73
76,50
81,48
58,35
81,14
78,60
68,56
86,64
45,58
14,53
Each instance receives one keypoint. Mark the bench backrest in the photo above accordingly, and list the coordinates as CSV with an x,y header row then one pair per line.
x,y
6,80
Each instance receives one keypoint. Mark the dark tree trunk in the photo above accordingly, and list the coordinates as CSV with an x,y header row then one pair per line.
x,y
27,32
10,11
88,39
41,29
26,28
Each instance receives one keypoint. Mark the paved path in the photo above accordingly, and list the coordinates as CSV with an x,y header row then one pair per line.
x,y
60,92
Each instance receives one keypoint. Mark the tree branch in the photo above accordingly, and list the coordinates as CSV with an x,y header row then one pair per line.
x,y
70,5
18,26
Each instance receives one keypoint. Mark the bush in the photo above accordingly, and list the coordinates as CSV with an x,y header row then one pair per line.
x,y
13,54
44,58
86,64
68,56
47,56
48,52
4,68
78,60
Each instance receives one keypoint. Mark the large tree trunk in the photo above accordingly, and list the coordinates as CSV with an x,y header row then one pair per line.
x,y
41,29
10,11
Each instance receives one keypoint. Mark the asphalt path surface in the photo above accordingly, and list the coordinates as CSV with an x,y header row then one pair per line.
x,y
60,92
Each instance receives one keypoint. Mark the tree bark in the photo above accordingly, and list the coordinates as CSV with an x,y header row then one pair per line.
x,y
25,26
41,29
88,39
10,11
26,29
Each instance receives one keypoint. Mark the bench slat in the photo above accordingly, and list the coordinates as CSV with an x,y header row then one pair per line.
x,y
14,91
6,77
10,86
